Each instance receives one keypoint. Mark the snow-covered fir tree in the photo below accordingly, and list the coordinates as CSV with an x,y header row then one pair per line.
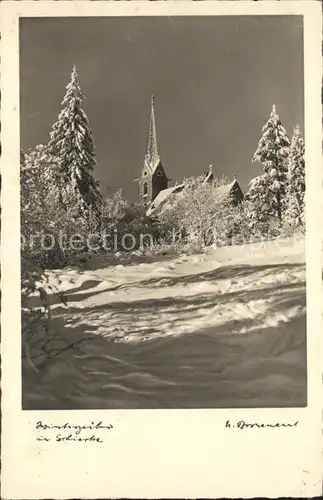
x,y
72,143
294,213
266,196
273,147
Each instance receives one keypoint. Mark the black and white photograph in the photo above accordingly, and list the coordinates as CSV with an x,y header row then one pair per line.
x,y
161,249
162,212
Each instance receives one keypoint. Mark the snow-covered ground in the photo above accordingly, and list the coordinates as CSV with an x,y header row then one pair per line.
x,y
225,328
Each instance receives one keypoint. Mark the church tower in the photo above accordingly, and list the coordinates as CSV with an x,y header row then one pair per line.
x,y
153,178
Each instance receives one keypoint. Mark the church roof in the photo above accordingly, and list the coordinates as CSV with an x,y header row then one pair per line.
x,y
151,165
162,197
220,193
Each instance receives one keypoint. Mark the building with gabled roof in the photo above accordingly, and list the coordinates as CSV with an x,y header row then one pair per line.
x,y
227,191
162,197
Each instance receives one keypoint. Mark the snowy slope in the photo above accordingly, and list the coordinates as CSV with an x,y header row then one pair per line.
x,y
225,328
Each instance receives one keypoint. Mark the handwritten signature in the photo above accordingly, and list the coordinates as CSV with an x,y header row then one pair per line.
x,y
242,424
62,433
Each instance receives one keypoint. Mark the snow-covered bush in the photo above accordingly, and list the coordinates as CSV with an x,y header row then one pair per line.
x,y
113,210
34,321
52,211
143,229
197,215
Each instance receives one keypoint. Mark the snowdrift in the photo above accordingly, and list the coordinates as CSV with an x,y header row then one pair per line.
x,y
222,329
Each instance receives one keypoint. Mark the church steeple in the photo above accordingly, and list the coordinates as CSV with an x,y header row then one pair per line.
x,y
153,178
152,147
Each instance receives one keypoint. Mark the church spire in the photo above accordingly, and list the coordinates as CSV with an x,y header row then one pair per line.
x,y
153,178
152,149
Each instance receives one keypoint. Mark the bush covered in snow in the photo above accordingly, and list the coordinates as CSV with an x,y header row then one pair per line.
x,y
198,216
34,321
51,210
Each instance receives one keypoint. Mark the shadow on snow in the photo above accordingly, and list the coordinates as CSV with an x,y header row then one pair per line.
x,y
211,368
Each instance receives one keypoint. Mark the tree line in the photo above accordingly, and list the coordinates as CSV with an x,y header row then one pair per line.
x,y
59,192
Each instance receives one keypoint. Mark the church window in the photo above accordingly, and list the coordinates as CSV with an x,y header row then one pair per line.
x,y
159,173
145,172
145,188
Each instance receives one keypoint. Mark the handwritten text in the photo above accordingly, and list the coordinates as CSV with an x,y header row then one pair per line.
x,y
63,433
242,424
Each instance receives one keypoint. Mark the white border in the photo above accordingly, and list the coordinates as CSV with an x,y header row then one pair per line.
x,y
172,453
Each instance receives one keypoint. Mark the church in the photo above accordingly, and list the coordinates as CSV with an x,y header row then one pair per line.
x,y
153,180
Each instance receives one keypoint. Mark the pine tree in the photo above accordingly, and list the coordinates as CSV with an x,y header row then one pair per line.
x,y
294,214
273,147
259,202
72,143
266,196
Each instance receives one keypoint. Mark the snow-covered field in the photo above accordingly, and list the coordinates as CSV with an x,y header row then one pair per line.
x,y
225,328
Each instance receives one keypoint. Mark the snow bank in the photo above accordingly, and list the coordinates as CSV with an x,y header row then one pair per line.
x,y
183,323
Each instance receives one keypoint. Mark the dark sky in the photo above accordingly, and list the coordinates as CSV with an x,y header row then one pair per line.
x,y
214,80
